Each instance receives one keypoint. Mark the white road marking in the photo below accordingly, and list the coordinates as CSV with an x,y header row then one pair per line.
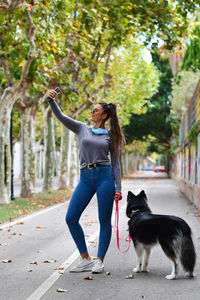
x,y
29,216
47,284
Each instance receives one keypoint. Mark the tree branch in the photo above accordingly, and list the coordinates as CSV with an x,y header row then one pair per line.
x,y
32,48
10,4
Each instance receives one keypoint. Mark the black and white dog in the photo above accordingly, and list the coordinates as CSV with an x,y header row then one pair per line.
x,y
147,229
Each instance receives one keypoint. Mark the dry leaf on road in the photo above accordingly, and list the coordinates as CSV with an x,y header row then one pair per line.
x,y
6,261
61,290
33,263
59,268
89,278
41,226
131,276
19,223
107,273
4,244
50,261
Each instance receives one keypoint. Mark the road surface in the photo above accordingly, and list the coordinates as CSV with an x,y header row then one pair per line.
x,y
44,236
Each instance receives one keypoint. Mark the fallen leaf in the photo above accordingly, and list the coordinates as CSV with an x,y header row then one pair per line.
x,y
6,261
20,223
198,215
33,263
143,296
41,226
91,242
50,261
40,251
30,271
61,290
87,235
9,237
131,276
4,244
14,233
89,278
61,272
21,234
107,273
59,268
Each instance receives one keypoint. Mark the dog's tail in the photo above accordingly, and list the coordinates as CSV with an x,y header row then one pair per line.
x,y
187,255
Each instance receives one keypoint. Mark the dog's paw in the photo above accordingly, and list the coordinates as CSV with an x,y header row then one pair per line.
x,y
144,270
170,277
137,270
189,275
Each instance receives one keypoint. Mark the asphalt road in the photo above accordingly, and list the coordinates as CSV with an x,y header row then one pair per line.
x,y
45,237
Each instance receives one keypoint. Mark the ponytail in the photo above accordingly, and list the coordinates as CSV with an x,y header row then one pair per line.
x,y
116,134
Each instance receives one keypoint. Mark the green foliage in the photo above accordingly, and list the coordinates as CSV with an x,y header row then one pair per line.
x,y
130,80
192,135
156,121
191,60
78,38
183,86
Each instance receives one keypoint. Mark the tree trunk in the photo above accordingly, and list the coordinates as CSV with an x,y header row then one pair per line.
x,y
5,157
49,150
64,158
28,151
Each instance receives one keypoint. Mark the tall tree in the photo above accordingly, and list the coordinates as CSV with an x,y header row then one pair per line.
x,y
156,121
191,60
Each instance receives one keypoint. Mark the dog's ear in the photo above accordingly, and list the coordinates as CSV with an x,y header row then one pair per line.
x,y
130,194
142,194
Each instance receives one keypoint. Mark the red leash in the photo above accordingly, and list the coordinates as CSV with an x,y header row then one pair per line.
x,y
117,225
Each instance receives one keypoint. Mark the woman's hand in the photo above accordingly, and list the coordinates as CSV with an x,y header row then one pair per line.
x,y
52,94
118,196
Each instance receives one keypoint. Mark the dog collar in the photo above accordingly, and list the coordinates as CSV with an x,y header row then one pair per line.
x,y
134,211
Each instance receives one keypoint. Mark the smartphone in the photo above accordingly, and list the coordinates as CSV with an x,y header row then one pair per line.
x,y
57,91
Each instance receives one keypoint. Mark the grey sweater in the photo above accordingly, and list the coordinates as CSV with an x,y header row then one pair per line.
x,y
93,148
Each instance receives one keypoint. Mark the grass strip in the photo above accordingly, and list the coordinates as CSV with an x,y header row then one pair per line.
x,y
23,206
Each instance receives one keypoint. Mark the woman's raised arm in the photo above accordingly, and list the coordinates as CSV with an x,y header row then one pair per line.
x,y
68,122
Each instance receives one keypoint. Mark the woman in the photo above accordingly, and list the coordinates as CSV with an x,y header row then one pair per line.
x,y
97,175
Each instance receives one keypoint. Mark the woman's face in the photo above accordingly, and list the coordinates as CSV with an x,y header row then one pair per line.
x,y
97,114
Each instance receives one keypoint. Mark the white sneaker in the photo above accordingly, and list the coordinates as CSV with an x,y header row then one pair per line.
x,y
98,266
83,266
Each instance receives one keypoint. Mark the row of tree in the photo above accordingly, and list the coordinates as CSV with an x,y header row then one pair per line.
x,y
91,49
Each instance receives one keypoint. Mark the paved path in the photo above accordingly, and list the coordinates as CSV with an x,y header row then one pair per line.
x,y
52,241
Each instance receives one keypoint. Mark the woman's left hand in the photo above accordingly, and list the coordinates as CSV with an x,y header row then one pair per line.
x,y
118,196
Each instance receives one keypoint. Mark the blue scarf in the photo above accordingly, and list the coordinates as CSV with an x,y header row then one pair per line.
x,y
99,131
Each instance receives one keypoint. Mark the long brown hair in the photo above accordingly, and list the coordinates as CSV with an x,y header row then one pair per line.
x,y
116,134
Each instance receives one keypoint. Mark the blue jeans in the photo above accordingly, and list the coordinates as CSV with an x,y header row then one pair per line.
x,y
99,180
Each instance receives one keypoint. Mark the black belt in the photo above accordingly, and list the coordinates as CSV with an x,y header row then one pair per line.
x,y
91,166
